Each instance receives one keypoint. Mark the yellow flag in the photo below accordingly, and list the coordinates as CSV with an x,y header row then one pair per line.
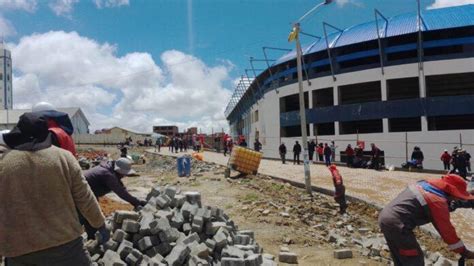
x,y
293,34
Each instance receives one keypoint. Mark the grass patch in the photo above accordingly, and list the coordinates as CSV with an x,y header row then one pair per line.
x,y
228,206
251,197
277,186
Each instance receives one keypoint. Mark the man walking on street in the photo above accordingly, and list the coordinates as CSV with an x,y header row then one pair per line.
x,y
282,150
42,189
327,154
296,153
333,151
424,202
311,148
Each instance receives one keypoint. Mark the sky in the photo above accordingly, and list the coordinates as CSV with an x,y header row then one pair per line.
x,y
139,63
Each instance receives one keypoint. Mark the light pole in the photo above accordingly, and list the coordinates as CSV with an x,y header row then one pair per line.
x,y
294,35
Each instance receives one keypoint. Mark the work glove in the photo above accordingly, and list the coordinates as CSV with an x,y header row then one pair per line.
x,y
143,203
456,204
102,235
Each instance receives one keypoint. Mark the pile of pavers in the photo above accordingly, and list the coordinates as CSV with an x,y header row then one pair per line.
x,y
175,229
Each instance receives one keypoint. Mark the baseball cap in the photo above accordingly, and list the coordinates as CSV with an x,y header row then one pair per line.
x,y
123,166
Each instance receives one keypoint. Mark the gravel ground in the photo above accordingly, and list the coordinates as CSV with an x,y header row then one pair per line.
x,y
377,187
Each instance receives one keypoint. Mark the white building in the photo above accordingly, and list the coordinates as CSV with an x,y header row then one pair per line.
x,y
6,95
371,87
9,118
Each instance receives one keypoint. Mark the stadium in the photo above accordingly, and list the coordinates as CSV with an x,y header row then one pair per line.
x,y
387,82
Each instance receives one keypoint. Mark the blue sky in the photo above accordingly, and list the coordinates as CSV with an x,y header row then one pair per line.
x,y
217,35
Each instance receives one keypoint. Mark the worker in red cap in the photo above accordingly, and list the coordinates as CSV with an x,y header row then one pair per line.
x,y
424,202
339,188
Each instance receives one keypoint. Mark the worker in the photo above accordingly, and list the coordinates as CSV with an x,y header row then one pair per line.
x,y
282,150
339,188
424,202
107,177
41,188
59,124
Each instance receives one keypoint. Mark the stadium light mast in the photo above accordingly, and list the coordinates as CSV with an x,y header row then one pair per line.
x,y
294,36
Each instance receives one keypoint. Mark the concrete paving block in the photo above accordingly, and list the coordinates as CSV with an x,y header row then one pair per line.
x,y
253,248
211,228
164,249
177,220
164,214
196,261
191,238
124,249
94,258
205,213
193,197
155,192
134,258
216,212
130,226
188,210
120,235
145,221
159,224
200,250
112,245
233,252
120,216
268,263
169,235
197,225
211,244
92,246
170,191
288,257
232,262
144,243
112,258
178,201
268,256
249,233
343,254
178,255
254,260
187,228
221,240
242,239
163,201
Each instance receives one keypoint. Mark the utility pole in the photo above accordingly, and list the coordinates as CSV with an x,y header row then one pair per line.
x,y
294,35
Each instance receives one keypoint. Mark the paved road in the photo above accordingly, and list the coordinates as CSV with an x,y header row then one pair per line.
x,y
377,187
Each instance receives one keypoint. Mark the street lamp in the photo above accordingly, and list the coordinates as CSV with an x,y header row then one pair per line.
x,y
294,36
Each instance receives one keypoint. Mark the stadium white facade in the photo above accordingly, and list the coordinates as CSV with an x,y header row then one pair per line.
x,y
379,82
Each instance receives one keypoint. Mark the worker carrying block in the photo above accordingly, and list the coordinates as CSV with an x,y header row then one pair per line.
x,y
339,188
427,201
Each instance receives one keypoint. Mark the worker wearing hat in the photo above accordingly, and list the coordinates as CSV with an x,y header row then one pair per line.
x,y
107,177
427,201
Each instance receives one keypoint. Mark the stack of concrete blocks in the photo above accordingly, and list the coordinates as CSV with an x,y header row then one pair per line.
x,y
173,228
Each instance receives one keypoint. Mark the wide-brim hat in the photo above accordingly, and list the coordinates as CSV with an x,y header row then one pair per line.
x,y
452,185
30,133
123,166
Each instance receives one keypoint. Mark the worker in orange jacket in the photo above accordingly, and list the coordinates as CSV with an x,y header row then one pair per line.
x,y
424,202
339,188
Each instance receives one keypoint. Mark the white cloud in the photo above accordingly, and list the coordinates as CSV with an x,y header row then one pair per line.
x,y
111,3
63,7
6,28
131,91
26,5
448,3
342,3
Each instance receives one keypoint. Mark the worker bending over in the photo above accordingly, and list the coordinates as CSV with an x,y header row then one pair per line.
x,y
424,202
339,189
105,178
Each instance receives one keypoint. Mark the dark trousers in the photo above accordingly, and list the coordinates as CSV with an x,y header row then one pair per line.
x,y
296,158
375,163
320,157
72,254
404,248
311,155
283,157
446,165
327,159
350,161
90,231
340,198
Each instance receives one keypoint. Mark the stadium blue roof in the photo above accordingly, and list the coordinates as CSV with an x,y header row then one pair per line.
x,y
433,19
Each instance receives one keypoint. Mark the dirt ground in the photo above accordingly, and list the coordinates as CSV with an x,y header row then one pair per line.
x,y
256,203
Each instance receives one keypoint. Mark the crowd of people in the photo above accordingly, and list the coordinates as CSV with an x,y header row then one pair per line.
x,y
459,159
